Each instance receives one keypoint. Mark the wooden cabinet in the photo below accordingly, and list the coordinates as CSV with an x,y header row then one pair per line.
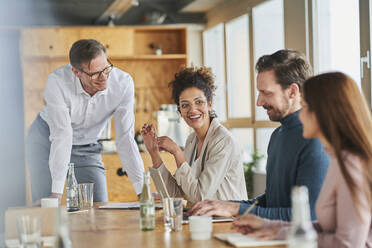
x,y
171,40
119,187
118,41
131,49
48,42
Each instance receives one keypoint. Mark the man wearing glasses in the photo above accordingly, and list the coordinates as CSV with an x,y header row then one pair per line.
x,y
80,100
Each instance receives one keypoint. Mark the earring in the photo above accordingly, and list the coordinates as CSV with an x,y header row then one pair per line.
x,y
212,113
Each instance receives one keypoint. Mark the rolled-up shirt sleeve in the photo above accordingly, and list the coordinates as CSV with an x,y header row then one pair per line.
x,y
126,145
59,122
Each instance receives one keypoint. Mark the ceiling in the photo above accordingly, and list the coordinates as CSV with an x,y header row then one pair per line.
x,y
87,12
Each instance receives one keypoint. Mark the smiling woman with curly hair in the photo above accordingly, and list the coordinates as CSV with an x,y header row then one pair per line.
x,y
210,167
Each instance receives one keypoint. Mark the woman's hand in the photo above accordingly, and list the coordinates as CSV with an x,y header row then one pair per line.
x,y
254,227
248,223
167,144
148,133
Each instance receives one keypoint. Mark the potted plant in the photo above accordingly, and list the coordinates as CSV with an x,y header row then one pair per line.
x,y
248,171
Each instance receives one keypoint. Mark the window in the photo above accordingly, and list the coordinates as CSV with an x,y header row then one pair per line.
x,y
336,37
238,76
268,35
214,57
247,37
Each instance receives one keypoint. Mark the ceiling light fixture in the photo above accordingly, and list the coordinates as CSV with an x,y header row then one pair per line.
x,y
116,10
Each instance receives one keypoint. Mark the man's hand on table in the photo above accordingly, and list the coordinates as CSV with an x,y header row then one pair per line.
x,y
56,195
215,208
52,195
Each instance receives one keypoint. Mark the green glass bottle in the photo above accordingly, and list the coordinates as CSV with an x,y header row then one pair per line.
x,y
147,206
72,190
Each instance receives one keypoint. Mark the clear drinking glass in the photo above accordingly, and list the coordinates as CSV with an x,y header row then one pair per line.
x,y
29,231
86,195
173,214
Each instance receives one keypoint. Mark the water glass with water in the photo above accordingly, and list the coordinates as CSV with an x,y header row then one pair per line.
x,y
86,195
29,231
173,214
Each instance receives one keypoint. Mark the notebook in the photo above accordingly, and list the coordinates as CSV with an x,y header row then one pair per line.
x,y
240,240
214,219
163,191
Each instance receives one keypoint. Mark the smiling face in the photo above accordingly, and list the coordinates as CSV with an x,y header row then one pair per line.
x,y
97,64
195,108
272,97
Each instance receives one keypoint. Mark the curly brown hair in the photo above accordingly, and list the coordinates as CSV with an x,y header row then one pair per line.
x,y
189,77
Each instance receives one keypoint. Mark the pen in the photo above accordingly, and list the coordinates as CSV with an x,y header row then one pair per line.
x,y
250,208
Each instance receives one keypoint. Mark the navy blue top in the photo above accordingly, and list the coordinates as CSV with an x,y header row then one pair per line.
x,y
292,160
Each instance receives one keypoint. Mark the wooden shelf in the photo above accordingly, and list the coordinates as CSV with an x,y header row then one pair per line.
x,y
150,56
129,57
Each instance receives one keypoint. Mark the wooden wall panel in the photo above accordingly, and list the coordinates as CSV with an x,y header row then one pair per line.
x,y
35,74
150,73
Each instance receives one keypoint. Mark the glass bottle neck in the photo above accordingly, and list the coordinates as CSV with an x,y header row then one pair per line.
x,y
300,213
146,180
300,206
146,194
71,170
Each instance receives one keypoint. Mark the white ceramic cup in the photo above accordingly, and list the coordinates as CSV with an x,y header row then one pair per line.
x,y
200,227
49,202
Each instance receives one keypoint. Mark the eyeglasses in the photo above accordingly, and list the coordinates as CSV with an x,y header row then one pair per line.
x,y
185,106
97,74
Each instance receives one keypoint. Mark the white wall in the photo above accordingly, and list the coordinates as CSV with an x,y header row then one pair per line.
x,y
12,161
195,44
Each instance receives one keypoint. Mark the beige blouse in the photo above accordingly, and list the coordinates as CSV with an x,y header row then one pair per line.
x,y
216,175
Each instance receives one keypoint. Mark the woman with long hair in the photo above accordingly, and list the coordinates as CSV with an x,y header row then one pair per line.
x,y
334,110
210,167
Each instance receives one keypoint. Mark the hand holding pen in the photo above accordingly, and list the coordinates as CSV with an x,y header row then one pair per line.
x,y
246,221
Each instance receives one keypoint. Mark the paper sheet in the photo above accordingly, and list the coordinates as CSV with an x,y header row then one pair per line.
x,y
126,205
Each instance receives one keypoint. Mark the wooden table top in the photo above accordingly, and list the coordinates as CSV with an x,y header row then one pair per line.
x,y
120,228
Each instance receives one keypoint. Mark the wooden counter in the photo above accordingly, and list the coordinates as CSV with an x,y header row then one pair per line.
x,y
120,228
119,187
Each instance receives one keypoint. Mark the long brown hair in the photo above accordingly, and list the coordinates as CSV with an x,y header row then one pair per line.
x,y
345,121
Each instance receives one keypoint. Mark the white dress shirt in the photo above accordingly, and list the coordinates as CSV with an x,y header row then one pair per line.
x,y
76,118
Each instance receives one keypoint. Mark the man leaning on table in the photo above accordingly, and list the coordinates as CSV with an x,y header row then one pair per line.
x,y
80,99
292,160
